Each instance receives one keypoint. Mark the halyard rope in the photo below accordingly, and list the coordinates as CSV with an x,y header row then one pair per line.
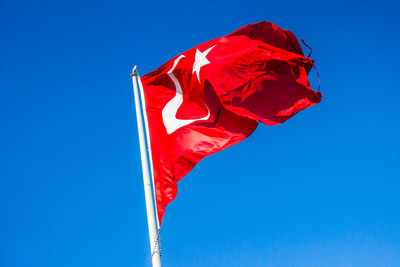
x,y
157,242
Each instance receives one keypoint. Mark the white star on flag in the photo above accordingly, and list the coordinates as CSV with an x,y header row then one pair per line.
x,y
200,61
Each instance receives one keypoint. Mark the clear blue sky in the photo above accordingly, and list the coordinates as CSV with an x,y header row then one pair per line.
x,y
320,190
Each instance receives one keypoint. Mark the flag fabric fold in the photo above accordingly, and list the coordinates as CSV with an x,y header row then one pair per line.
x,y
213,95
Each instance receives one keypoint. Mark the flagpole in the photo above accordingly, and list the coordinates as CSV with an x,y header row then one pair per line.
x,y
146,125
151,219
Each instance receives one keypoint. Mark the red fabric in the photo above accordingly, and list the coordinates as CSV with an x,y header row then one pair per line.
x,y
257,73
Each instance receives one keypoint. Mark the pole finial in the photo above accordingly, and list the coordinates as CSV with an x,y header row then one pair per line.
x,y
134,71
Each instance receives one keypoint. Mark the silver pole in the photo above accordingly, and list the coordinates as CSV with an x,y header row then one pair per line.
x,y
151,219
146,125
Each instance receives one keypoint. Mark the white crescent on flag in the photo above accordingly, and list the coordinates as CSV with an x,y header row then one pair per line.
x,y
171,122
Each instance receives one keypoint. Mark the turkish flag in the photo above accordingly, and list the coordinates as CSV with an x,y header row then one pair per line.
x,y
211,97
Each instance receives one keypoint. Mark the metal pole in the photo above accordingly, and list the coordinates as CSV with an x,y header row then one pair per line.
x,y
146,125
151,219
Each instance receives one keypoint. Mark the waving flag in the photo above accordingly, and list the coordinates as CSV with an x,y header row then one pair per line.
x,y
211,97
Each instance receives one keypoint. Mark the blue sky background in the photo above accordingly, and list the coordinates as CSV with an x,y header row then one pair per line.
x,y
320,190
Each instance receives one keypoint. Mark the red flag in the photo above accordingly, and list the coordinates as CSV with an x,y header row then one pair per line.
x,y
211,97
